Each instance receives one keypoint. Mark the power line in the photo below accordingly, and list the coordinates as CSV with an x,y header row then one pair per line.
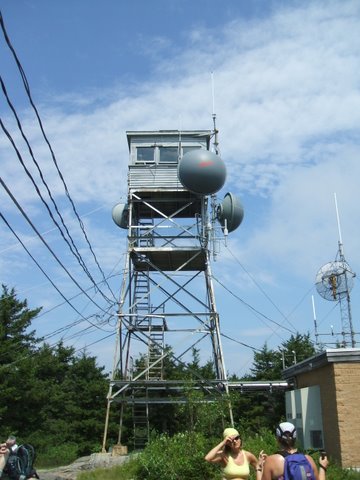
x,y
33,354
252,308
44,242
71,298
66,327
43,271
72,246
241,343
260,288
27,89
270,300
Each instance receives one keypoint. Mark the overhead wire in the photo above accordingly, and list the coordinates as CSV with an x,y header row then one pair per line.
x,y
28,92
74,250
45,312
43,271
17,347
254,349
265,294
33,354
257,312
53,229
259,287
17,204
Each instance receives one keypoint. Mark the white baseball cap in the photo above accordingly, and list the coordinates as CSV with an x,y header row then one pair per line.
x,y
286,430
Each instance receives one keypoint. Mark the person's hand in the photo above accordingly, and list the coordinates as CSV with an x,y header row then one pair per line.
x,y
261,460
3,449
323,460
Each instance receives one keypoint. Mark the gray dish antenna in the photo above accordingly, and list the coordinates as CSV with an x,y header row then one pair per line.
x,y
202,172
120,215
230,212
335,280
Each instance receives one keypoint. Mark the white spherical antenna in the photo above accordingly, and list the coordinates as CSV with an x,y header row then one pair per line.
x,y
120,215
202,171
334,280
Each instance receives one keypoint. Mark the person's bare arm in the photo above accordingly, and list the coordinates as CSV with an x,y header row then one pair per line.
x,y
320,473
268,468
273,467
257,463
216,454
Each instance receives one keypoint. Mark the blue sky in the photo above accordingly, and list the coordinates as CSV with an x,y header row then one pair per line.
x,y
287,99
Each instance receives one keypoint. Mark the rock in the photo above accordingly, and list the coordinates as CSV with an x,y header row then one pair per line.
x,y
94,461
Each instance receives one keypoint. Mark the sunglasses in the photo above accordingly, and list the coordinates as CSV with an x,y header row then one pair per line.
x,y
236,438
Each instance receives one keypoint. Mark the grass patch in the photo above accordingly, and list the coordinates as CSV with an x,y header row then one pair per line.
x,y
126,471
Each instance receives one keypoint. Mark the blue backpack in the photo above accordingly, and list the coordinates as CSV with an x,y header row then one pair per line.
x,y
298,467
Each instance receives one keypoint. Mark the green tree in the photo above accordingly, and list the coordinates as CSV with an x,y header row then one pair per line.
x,y
50,396
70,397
17,344
297,348
266,365
267,408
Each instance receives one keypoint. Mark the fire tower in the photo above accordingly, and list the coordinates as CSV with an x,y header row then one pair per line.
x,y
167,294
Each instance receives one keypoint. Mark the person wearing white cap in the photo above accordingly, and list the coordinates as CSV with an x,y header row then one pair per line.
x,y
287,461
234,460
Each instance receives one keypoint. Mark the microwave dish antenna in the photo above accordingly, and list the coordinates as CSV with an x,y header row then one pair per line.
x,y
334,281
230,212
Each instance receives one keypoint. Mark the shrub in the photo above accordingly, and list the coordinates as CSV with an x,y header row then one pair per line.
x,y
127,471
175,458
56,456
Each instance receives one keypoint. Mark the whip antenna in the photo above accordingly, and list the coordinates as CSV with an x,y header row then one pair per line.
x,y
216,142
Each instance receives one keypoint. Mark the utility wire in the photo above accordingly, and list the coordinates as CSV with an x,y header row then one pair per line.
x,y
66,327
27,89
252,308
44,242
33,354
72,246
71,298
260,288
265,294
43,271
241,343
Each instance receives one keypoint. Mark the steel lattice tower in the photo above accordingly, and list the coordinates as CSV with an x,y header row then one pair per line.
x,y
167,294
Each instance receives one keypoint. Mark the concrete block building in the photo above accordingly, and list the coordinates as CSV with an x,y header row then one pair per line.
x,y
324,404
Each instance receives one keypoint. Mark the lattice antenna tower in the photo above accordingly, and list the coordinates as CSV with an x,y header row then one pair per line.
x,y
334,282
170,217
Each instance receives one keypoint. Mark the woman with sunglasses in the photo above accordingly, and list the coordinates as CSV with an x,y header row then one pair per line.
x,y
234,460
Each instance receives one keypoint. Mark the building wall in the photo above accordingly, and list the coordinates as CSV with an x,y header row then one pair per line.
x,y
340,396
347,380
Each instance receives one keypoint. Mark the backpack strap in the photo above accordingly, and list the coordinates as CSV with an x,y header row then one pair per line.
x,y
284,453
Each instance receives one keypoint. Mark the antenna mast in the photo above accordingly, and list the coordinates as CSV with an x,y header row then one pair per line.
x,y
334,282
345,305
315,322
216,141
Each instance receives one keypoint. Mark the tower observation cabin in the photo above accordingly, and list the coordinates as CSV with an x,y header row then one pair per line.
x,y
173,224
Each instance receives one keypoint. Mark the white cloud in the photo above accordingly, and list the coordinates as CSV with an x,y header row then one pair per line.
x,y
288,108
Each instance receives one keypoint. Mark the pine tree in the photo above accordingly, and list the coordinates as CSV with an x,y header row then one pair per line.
x,y
17,345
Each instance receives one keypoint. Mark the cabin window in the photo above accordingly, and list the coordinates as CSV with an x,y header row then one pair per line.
x,y
168,154
162,154
145,154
